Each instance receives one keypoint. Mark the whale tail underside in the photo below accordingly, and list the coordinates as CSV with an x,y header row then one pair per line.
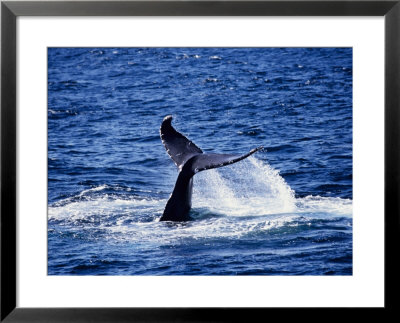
x,y
178,147
190,160
209,161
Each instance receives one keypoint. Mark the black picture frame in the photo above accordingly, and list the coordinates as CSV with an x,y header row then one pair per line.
x,y
10,10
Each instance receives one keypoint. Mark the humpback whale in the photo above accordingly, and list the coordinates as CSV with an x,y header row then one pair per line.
x,y
190,160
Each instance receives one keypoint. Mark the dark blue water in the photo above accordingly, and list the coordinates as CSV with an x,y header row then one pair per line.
x,y
283,211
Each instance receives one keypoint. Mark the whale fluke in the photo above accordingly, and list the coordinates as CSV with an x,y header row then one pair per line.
x,y
209,161
190,160
178,147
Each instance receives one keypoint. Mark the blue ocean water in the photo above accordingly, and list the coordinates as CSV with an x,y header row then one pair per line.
x,y
286,210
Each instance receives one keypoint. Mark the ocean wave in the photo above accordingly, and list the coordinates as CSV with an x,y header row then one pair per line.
x,y
251,199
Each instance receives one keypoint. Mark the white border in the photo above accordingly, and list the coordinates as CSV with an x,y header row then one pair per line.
x,y
364,288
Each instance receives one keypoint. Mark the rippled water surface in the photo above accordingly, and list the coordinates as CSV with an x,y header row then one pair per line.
x,y
286,210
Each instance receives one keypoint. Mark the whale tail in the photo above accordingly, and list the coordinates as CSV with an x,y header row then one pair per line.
x,y
190,160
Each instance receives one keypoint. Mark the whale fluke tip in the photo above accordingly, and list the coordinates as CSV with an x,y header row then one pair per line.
x,y
256,149
168,118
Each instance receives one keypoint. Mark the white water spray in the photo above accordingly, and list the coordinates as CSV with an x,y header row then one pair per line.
x,y
250,187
